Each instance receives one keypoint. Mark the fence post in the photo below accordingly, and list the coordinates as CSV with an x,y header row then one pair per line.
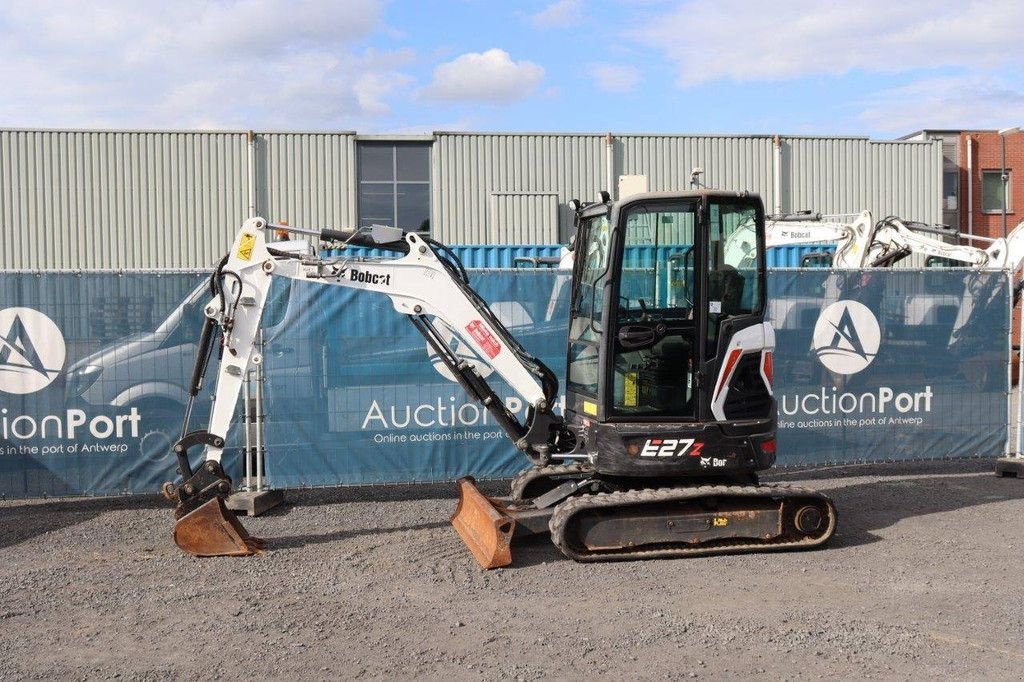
x,y
247,425
256,498
1012,464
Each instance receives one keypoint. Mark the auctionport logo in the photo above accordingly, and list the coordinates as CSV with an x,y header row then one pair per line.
x,y
846,337
32,351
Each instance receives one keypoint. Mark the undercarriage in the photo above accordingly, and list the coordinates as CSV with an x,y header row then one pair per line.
x,y
594,518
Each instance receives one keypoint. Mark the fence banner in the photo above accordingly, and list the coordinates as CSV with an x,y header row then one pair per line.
x,y
890,364
92,374
93,369
386,409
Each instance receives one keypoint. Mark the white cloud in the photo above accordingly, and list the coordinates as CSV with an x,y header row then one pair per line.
x,y
372,90
960,102
490,76
191,63
558,14
614,77
780,40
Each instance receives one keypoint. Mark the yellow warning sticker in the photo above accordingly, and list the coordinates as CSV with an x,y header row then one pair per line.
x,y
590,408
720,521
246,246
629,399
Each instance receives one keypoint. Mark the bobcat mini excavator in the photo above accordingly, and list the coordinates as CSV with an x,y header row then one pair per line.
x,y
669,412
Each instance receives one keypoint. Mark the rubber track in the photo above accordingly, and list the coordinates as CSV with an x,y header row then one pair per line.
x,y
526,476
566,510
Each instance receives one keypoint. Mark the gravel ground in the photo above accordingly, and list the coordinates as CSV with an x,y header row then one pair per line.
x,y
921,581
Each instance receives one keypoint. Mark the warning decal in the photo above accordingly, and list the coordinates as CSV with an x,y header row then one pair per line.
x,y
484,338
630,397
246,245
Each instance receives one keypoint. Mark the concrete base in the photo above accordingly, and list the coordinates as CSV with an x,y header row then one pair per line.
x,y
254,503
1010,466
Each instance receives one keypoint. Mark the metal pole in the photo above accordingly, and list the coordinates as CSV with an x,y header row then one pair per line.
x,y
1003,140
251,141
970,187
1009,367
1020,376
777,158
609,160
259,419
247,425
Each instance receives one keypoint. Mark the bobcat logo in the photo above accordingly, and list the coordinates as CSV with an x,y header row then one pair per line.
x,y
31,351
846,337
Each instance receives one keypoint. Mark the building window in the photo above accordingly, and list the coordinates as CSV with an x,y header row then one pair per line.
x,y
394,185
950,180
992,191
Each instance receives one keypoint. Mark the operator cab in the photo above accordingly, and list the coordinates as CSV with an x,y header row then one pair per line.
x,y
658,303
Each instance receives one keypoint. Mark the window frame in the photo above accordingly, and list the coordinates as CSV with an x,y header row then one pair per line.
x,y
952,174
998,173
394,183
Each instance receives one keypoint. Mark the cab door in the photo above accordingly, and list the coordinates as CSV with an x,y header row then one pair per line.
x,y
591,275
655,341
733,306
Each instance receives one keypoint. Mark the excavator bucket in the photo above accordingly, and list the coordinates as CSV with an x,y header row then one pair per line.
x,y
212,530
483,526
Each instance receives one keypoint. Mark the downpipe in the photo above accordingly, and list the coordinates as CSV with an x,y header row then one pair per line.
x,y
609,163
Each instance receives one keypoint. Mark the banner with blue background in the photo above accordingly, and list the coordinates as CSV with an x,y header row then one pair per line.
x,y
872,365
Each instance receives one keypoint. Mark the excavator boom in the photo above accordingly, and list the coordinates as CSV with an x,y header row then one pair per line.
x,y
421,285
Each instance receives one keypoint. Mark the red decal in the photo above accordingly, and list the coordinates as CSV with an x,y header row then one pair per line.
x,y
768,366
730,365
655,441
484,338
695,450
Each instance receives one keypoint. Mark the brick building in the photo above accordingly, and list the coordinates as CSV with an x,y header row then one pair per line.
x,y
972,192
981,159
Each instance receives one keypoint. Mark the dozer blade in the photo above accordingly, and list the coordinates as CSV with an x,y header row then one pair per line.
x,y
212,530
486,529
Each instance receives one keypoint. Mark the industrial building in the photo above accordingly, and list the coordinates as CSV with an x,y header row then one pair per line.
x,y
173,199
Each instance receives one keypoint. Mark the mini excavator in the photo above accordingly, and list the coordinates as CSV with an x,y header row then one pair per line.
x,y
669,411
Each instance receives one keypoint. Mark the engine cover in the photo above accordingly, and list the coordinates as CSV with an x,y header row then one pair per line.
x,y
679,450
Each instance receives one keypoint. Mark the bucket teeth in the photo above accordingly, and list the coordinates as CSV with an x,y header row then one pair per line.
x,y
484,528
212,530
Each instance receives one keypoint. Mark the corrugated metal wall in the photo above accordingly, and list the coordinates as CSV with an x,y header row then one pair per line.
x,y
469,168
906,180
532,217
174,199
827,175
119,199
307,179
848,175
729,162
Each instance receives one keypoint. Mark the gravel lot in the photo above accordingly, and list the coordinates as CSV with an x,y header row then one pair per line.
x,y
922,581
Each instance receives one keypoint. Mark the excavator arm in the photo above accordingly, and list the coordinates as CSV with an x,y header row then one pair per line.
x,y
864,244
796,229
851,239
425,284
894,240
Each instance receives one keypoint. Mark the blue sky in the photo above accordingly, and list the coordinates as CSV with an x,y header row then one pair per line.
x,y
875,68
